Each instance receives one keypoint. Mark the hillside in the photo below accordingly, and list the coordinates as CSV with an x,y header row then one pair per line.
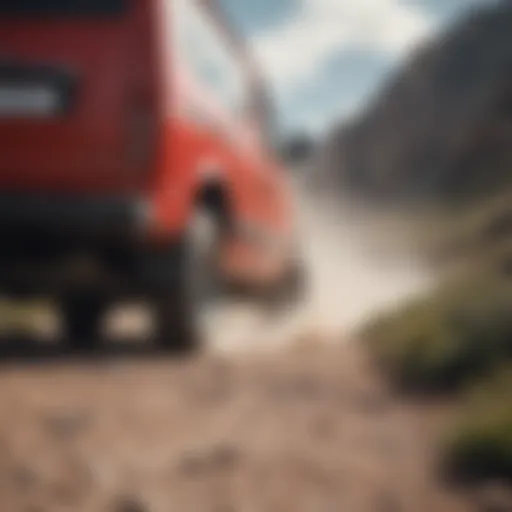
x,y
442,126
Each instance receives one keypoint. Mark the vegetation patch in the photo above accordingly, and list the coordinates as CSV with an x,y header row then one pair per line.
x,y
443,341
480,444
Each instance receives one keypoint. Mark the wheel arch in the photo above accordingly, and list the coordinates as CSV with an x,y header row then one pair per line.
x,y
215,196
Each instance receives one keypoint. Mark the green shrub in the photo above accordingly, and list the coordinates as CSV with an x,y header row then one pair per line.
x,y
442,341
480,445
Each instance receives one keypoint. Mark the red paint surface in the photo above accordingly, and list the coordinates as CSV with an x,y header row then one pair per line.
x,y
125,70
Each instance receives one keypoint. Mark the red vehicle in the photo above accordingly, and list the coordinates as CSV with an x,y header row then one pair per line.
x,y
119,121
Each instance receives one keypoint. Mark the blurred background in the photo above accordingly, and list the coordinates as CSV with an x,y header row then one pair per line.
x,y
389,387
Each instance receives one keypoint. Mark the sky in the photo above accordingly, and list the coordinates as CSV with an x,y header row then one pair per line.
x,y
323,59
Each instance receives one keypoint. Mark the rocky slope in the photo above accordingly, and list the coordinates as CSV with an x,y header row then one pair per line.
x,y
442,126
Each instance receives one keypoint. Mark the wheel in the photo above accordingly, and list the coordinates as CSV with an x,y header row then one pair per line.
x,y
176,329
82,315
175,325
187,285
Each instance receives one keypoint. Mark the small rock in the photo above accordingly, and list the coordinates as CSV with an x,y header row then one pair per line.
x,y
371,403
130,504
191,464
388,446
73,482
323,427
66,425
296,388
219,458
65,493
224,457
34,508
388,502
24,477
307,387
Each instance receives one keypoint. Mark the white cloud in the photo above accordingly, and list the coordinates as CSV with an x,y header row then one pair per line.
x,y
295,53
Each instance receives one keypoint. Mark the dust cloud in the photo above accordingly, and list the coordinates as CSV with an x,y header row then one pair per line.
x,y
351,273
355,271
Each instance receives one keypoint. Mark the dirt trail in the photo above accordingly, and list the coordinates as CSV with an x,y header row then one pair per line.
x,y
308,428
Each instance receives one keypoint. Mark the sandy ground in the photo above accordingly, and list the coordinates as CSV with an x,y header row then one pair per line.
x,y
308,429
283,416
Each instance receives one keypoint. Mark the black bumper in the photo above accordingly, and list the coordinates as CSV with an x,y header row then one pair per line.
x,y
73,217
51,243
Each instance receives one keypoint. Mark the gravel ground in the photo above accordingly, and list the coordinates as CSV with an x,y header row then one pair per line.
x,y
306,430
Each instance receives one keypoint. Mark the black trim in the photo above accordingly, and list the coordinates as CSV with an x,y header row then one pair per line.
x,y
68,215
63,8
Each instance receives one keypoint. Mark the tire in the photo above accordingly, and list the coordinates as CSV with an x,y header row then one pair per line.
x,y
176,328
187,281
82,315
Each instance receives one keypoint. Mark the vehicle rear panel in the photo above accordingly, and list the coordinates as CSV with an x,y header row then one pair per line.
x,y
78,95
